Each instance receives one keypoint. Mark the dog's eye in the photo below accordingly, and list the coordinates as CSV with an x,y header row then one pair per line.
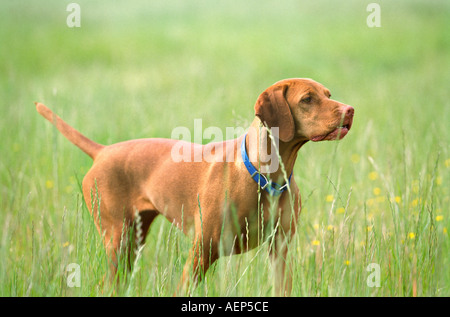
x,y
307,99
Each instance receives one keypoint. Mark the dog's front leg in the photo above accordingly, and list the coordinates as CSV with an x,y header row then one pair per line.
x,y
281,267
202,255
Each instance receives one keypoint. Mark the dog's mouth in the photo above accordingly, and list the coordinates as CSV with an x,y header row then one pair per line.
x,y
338,133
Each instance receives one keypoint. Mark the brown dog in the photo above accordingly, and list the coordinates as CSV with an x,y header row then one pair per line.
x,y
227,201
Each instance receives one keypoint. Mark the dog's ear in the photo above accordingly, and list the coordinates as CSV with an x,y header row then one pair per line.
x,y
273,110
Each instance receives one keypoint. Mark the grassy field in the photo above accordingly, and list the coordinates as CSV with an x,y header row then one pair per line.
x,y
141,68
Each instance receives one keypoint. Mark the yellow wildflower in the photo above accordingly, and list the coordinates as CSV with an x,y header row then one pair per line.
x,y
370,202
49,184
355,158
376,191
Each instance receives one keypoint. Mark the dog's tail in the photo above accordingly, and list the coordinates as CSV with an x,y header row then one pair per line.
x,y
86,145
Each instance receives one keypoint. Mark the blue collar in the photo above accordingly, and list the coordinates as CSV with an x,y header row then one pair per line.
x,y
271,187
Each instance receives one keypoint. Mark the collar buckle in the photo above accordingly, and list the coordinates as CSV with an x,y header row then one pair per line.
x,y
272,188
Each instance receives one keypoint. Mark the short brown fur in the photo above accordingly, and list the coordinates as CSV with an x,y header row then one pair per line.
x,y
199,197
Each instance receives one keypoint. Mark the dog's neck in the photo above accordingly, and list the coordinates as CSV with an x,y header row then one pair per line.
x,y
264,155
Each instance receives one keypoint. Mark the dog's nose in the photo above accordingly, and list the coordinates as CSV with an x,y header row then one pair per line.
x,y
349,111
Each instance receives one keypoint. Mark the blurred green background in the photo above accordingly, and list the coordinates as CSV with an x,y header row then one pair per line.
x,y
138,69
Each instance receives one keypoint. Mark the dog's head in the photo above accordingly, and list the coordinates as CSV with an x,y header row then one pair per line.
x,y
303,110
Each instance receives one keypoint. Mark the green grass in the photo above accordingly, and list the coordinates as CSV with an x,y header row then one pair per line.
x,y
140,69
